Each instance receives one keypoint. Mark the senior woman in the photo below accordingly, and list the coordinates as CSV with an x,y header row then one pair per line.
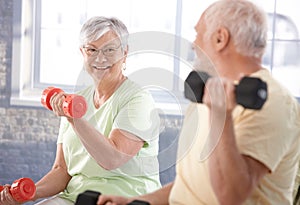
x,y
113,148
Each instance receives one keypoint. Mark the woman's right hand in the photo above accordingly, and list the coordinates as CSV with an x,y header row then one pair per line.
x,y
56,103
6,198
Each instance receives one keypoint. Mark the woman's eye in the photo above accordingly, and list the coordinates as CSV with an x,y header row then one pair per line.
x,y
108,50
92,50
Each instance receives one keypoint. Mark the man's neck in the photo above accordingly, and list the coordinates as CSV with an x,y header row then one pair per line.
x,y
236,68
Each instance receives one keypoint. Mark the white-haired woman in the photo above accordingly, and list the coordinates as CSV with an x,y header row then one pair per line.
x,y
113,148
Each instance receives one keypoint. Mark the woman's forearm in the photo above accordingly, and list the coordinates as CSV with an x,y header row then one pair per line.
x,y
52,183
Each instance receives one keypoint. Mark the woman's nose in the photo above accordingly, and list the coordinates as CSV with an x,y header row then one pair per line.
x,y
100,57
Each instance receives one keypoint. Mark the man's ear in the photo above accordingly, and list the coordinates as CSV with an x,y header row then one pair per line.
x,y
221,39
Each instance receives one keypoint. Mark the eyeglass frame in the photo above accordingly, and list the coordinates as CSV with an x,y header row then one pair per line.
x,y
97,50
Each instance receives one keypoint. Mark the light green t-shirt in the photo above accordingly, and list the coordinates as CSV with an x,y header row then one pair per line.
x,y
131,109
270,135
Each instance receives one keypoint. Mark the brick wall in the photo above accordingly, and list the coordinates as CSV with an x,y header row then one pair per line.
x,y
27,143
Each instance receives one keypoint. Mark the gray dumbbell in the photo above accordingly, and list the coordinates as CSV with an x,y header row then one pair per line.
x,y
251,92
91,197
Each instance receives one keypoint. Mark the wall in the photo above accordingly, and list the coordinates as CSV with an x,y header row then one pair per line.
x,y
5,47
27,135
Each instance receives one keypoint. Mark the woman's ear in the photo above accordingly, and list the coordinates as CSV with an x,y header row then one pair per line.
x,y
125,50
221,38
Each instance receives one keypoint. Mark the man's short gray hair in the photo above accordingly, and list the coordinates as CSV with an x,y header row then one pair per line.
x,y
246,23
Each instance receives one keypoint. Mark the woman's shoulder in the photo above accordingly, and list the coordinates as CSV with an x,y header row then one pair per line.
x,y
131,88
132,92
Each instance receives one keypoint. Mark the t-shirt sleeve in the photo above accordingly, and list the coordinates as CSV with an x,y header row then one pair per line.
x,y
139,117
62,128
265,134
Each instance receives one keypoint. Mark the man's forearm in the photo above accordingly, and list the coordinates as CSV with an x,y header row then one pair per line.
x,y
229,172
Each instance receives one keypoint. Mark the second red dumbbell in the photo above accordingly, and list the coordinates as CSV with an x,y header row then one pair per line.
x,y
22,189
74,105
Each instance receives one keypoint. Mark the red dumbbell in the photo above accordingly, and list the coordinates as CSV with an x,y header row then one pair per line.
x,y
74,106
22,189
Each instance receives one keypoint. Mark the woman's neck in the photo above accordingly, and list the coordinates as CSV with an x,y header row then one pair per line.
x,y
105,89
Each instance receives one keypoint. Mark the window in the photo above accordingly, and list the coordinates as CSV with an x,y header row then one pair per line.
x,y
50,30
46,49
285,47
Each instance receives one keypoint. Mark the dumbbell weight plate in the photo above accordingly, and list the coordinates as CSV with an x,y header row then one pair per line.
x,y
194,86
23,189
74,106
251,93
88,197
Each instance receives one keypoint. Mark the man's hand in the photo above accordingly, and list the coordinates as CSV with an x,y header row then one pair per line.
x,y
112,200
219,95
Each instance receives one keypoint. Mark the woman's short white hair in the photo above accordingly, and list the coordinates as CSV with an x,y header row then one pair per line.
x,y
96,26
246,23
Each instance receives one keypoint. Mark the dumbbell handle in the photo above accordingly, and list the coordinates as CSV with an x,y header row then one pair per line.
x,y
22,189
74,105
250,92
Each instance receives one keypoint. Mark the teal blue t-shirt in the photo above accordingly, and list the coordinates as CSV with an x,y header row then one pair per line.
x,y
132,109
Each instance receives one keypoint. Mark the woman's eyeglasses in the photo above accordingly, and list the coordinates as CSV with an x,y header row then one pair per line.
x,y
108,51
